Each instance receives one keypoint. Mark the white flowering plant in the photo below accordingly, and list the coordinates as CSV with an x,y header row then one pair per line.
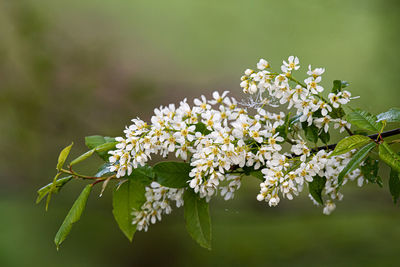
x,y
212,146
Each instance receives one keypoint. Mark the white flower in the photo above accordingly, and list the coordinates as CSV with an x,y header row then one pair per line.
x,y
262,64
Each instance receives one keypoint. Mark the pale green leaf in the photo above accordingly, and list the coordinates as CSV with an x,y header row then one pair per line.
x,y
63,156
197,217
42,192
73,215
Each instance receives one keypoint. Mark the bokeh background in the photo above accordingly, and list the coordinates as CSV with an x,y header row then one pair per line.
x,y
75,68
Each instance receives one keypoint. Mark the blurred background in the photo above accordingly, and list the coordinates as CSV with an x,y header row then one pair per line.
x,y
74,68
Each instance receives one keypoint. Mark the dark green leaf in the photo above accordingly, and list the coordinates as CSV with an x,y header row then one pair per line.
x,y
315,187
73,215
355,161
202,128
393,115
364,120
144,174
310,132
394,185
349,143
42,192
172,174
324,136
370,170
197,217
389,156
337,113
338,85
257,174
128,197
63,156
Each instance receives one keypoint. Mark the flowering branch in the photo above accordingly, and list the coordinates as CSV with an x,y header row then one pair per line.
x,y
219,141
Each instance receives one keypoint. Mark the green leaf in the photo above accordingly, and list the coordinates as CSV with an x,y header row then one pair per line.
x,y
257,174
393,115
101,144
172,174
202,128
355,161
370,170
144,174
73,215
364,120
338,85
324,136
337,113
197,217
349,143
82,157
310,132
315,187
63,156
42,192
394,185
104,169
389,156
128,197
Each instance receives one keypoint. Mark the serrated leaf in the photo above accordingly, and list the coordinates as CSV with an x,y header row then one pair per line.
x,y
364,120
172,174
355,161
349,143
393,115
63,156
128,197
42,192
315,187
389,156
310,132
197,217
394,185
73,215
101,144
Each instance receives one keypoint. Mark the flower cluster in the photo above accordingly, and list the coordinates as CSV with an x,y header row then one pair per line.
x,y
222,141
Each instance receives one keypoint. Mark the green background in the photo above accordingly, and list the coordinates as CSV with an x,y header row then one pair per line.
x,y
75,68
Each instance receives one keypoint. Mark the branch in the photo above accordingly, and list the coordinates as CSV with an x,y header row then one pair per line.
x,y
372,136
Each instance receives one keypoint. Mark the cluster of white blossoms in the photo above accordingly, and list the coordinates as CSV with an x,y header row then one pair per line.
x,y
220,140
158,202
